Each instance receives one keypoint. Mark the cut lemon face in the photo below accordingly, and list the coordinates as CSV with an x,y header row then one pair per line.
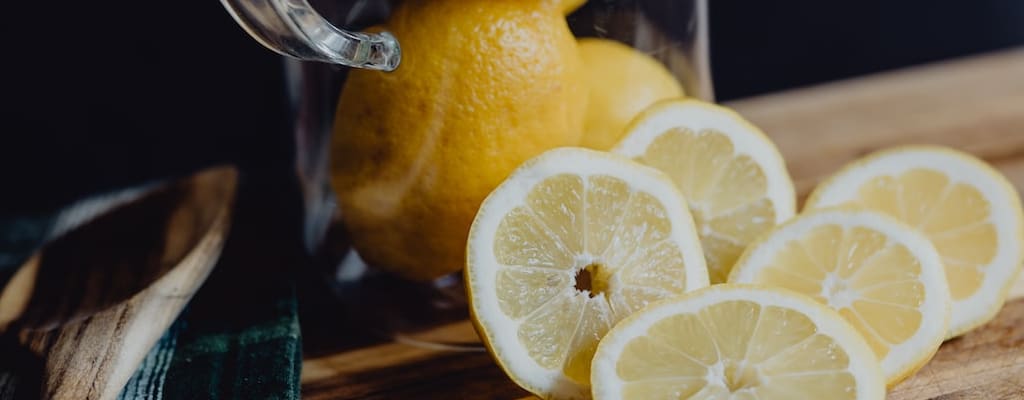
x,y
732,175
736,342
884,277
572,242
966,208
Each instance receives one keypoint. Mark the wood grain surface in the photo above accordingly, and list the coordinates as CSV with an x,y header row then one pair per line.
x,y
975,104
104,293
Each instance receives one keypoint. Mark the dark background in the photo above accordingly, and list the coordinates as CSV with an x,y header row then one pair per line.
x,y
763,46
98,95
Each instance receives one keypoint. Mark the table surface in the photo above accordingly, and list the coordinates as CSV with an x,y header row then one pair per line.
x,y
975,104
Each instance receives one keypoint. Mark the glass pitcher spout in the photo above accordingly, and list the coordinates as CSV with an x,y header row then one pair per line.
x,y
293,28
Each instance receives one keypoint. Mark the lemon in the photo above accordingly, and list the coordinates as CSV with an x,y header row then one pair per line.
x,y
731,173
572,242
483,86
968,209
736,342
884,277
568,6
622,82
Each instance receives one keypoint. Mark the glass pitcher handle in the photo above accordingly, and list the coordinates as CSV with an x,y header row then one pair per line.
x,y
293,28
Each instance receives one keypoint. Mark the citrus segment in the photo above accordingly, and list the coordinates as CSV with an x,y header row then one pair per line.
x,y
572,242
735,342
731,174
882,276
966,208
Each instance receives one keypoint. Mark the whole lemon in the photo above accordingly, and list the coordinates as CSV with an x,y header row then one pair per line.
x,y
622,82
483,86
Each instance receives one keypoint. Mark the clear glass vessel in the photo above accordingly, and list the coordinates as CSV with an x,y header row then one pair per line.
x,y
383,168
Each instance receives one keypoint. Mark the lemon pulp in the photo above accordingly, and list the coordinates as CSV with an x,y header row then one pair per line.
x,y
572,230
736,342
727,192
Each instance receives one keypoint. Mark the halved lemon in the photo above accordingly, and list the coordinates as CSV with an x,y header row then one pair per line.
x,y
736,342
884,277
968,209
572,242
732,175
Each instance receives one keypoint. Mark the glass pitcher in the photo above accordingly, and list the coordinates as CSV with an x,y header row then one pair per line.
x,y
383,259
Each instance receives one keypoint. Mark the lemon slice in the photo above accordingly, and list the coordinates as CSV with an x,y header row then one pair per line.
x,y
572,242
731,173
884,277
969,211
736,342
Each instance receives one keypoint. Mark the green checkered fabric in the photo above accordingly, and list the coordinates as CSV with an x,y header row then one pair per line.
x,y
199,360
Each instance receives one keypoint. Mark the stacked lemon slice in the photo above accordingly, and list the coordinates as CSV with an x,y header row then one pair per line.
x,y
732,175
736,342
881,275
583,267
572,242
965,207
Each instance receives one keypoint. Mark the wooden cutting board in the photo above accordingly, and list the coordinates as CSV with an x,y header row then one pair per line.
x,y
974,104
92,303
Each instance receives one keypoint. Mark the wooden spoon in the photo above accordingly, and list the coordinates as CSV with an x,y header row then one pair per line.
x,y
93,302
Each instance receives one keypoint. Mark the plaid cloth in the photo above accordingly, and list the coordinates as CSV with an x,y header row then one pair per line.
x,y
239,337
193,361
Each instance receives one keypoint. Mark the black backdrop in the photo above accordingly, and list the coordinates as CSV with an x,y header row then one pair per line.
x,y
102,94
762,46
